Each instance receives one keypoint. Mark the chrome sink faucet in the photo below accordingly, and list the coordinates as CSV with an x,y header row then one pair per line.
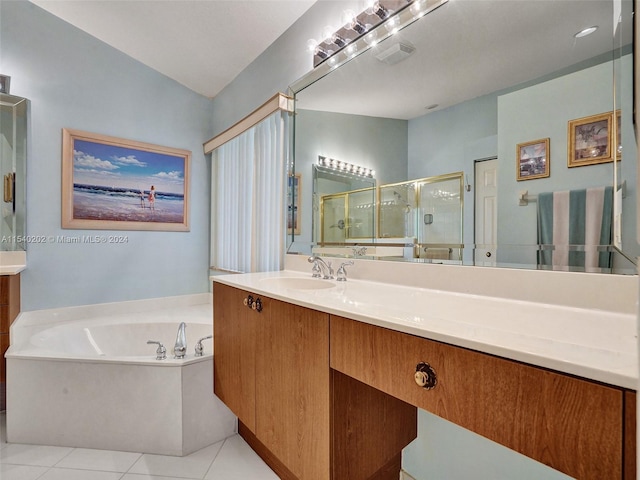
x,y
180,348
199,348
320,268
342,273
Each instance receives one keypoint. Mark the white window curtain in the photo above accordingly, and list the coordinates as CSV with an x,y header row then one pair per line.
x,y
248,192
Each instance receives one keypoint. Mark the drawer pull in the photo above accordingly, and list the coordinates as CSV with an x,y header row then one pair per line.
x,y
248,301
257,305
425,376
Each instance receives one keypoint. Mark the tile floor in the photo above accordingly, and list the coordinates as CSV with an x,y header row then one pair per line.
x,y
230,459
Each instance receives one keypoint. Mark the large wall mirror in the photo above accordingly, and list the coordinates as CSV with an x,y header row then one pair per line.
x,y
534,117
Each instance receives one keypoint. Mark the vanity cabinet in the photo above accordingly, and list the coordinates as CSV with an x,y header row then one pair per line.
x,y
271,368
9,310
320,396
570,424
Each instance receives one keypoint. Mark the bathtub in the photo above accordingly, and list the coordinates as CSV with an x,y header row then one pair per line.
x,y
85,377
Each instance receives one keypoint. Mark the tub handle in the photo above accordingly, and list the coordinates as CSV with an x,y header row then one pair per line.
x,y
199,347
161,352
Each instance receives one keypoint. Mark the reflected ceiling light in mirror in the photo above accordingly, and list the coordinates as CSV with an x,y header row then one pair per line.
x,y
586,31
345,167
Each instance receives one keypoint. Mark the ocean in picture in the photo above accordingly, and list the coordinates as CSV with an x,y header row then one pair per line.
x,y
95,202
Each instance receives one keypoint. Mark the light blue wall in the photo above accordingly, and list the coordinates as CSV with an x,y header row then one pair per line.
x,y
543,111
75,81
446,451
372,142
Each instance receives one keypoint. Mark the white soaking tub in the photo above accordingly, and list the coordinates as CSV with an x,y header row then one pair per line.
x,y
86,377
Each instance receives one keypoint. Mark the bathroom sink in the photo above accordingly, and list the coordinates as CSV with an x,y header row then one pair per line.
x,y
298,283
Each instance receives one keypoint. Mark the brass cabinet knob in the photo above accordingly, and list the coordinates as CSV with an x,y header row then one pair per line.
x,y
425,376
257,305
248,302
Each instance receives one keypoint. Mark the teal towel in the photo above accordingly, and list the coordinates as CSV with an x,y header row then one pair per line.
x,y
571,227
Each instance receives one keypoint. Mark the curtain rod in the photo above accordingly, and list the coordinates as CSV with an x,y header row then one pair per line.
x,y
279,101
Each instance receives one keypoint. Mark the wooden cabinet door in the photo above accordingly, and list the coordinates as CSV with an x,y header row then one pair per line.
x,y
292,388
234,350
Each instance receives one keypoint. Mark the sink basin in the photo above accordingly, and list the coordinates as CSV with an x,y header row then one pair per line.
x,y
298,283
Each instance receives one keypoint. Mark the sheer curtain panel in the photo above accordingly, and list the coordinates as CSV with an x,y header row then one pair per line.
x,y
248,182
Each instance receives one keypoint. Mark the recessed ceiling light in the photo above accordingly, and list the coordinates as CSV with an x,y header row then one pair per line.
x,y
586,31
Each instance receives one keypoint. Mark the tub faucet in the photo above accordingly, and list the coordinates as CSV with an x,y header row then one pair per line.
x,y
320,265
199,347
161,352
180,348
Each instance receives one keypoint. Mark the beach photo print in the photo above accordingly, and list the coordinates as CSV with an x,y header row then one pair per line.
x,y
109,183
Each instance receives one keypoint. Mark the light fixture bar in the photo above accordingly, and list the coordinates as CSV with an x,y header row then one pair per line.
x,y
357,44
345,167
398,13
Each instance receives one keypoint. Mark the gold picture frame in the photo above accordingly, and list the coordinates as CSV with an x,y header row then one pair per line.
x,y
533,160
589,140
110,183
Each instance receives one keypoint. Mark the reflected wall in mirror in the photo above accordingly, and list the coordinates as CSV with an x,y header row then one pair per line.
x,y
13,157
469,95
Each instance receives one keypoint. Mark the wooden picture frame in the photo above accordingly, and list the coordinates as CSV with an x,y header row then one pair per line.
x,y
294,188
589,140
533,160
110,183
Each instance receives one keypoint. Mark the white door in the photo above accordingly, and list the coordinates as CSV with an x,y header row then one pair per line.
x,y
486,214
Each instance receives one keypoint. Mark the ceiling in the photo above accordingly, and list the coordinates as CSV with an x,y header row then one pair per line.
x,y
463,50
202,44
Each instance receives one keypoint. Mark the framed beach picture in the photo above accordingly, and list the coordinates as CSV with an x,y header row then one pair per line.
x,y
109,183
532,159
589,140
293,210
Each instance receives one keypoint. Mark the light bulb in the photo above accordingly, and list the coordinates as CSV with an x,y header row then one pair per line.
x,y
392,25
371,38
417,8
348,16
327,32
352,49
312,44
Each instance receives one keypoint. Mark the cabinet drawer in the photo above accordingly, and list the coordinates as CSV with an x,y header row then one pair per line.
x,y
570,424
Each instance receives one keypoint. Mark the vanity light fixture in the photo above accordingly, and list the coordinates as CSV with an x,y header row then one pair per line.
x,y
359,31
586,31
345,167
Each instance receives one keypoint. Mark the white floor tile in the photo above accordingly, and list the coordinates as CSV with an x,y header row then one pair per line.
x,y
138,476
20,472
237,461
36,455
191,466
69,474
104,460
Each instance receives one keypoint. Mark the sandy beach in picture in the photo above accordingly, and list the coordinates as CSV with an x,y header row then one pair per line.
x,y
92,204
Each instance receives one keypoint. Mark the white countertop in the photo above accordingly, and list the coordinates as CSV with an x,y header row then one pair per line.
x,y
595,344
12,262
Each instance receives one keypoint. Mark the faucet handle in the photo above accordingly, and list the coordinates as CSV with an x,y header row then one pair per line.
x,y
161,351
199,347
342,273
315,271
